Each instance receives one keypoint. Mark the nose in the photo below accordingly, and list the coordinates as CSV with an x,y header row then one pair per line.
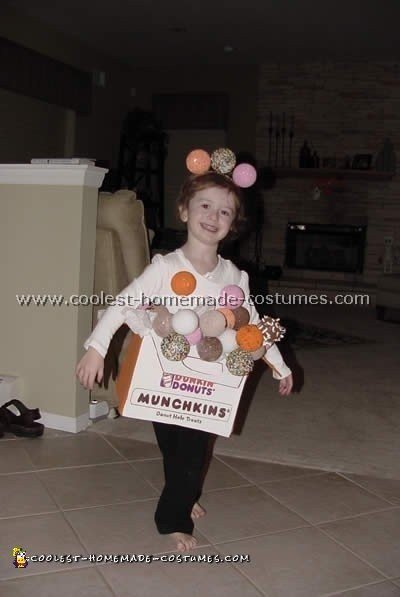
x,y
212,214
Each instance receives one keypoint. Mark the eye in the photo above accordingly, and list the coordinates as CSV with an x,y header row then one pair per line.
x,y
225,212
205,205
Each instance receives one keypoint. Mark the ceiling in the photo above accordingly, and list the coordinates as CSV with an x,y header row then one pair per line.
x,y
161,32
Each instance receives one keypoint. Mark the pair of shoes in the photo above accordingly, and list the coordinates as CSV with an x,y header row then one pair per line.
x,y
23,424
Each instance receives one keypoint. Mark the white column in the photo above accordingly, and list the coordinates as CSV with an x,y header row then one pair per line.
x,y
47,246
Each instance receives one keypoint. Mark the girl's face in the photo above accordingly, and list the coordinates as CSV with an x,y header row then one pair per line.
x,y
209,215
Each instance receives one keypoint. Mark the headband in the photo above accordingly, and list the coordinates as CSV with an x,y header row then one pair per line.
x,y
222,161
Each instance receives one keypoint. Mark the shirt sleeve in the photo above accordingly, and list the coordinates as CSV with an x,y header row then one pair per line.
x,y
273,357
274,360
143,287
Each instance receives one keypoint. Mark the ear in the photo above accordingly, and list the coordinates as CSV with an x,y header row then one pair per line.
x,y
183,213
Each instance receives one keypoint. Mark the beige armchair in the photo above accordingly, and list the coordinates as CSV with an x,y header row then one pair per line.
x,y
122,252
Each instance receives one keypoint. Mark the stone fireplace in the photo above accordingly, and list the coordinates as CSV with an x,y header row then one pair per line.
x,y
342,249
341,109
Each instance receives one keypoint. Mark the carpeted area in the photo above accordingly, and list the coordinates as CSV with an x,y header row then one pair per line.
x,y
302,335
345,416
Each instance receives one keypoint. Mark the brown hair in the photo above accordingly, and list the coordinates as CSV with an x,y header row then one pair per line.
x,y
195,183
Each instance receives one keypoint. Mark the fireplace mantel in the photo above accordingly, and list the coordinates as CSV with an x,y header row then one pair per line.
x,y
369,199
349,174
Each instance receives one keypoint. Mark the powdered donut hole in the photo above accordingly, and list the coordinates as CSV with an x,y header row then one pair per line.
x,y
212,323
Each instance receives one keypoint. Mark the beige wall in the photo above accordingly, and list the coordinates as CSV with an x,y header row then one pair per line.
x,y
48,233
238,82
29,128
98,134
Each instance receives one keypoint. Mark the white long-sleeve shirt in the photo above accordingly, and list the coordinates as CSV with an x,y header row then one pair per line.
x,y
155,283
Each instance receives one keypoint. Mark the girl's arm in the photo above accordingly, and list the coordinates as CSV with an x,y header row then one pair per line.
x,y
275,361
91,366
272,357
143,287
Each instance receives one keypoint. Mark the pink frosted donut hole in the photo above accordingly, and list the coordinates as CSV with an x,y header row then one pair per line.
x,y
194,337
244,175
231,296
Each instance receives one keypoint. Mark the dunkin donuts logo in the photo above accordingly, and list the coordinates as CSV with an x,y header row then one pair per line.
x,y
187,384
166,380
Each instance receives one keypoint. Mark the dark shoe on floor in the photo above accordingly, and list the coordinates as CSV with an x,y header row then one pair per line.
x,y
22,425
34,413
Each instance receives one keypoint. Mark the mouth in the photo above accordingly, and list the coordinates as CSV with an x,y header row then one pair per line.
x,y
209,227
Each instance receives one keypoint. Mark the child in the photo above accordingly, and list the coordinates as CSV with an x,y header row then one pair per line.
x,y
210,206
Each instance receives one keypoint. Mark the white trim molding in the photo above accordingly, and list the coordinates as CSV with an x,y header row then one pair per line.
x,y
63,423
52,174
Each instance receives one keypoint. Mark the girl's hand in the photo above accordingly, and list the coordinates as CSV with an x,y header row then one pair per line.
x,y
90,368
286,385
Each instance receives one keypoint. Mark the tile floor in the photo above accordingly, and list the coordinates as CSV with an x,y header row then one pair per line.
x,y
307,533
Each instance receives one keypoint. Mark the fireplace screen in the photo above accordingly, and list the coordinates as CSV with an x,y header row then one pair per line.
x,y
325,247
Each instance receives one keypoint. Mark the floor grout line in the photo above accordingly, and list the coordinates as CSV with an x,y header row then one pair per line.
x,y
307,523
359,515
63,468
47,572
358,556
315,526
231,466
359,484
105,580
291,508
108,504
355,588
259,485
248,579
265,534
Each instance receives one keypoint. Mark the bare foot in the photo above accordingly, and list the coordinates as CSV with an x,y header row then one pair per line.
x,y
183,541
197,511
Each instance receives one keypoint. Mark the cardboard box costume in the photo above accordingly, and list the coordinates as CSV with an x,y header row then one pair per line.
x,y
191,392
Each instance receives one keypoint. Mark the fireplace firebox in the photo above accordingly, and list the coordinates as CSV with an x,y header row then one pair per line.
x,y
325,247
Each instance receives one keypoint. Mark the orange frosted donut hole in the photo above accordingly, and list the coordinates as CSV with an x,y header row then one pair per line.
x,y
229,316
183,283
198,161
249,337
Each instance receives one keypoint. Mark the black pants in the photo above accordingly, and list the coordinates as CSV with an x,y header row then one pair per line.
x,y
185,452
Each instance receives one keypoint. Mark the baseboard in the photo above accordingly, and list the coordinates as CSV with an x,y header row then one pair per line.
x,y
63,423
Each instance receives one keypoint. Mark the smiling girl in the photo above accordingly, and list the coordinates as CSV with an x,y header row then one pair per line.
x,y
210,205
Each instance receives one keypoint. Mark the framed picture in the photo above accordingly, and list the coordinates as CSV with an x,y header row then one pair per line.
x,y
362,161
